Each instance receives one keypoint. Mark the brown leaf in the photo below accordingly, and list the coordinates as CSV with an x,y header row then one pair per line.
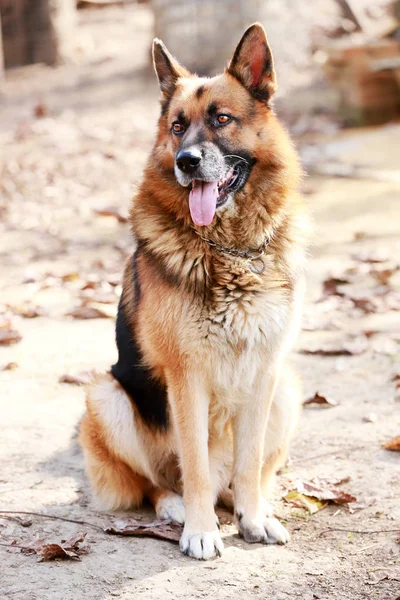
x,y
330,286
360,235
349,347
112,211
164,530
383,276
393,444
9,336
10,366
309,488
368,305
67,549
28,311
320,399
396,380
81,378
298,500
40,110
95,310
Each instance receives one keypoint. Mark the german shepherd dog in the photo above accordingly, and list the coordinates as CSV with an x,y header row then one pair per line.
x,y
200,406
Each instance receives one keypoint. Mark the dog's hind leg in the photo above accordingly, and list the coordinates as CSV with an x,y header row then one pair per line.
x,y
114,483
167,504
115,461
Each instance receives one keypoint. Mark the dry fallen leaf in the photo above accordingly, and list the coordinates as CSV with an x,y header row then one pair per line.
x,y
10,366
325,494
40,110
368,305
330,286
67,549
315,495
81,378
27,311
112,211
8,335
383,276
73,276
393,444
299,500
164,530
321,400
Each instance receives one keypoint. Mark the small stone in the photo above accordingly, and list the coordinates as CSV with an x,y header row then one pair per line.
x,y
370,418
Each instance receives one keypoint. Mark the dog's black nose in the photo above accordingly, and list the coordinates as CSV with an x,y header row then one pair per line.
x,y
188,161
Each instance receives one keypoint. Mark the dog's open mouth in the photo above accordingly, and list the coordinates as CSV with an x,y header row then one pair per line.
x,y
206,196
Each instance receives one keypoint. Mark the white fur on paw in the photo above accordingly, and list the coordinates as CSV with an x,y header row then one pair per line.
x,y
266,507
276,532
202,546
171,507
267,530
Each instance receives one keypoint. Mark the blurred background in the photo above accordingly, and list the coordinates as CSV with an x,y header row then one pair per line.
x,y
78,112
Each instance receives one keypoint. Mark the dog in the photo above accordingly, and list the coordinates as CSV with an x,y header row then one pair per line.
x,y
201,405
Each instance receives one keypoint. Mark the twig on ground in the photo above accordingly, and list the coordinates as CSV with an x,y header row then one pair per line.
x,y
330,453
35,514
358,531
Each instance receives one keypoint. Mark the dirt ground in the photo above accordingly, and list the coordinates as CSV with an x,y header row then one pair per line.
x,y
82,153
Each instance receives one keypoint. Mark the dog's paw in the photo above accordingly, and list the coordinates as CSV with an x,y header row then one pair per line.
x,y
276,532
267,530
171,506
203,546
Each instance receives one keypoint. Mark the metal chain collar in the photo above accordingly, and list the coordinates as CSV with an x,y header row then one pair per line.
x,y
253,256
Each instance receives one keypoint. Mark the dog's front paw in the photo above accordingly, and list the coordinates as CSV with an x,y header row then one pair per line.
x,y
267,530
203,545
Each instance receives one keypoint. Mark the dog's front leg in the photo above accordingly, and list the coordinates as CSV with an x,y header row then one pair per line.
x,y
189,402
249,426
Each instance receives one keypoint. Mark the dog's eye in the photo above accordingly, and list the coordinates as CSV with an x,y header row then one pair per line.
x,y
178,128
223,119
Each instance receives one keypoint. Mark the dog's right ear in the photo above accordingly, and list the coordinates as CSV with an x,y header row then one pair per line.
x,y
167,68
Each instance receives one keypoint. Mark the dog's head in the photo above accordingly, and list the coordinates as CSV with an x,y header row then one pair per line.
x,y
213,133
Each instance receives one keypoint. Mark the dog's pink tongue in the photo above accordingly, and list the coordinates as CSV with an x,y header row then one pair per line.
x,y
203,201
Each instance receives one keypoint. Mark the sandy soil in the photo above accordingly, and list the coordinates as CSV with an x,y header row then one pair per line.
x,y
86,153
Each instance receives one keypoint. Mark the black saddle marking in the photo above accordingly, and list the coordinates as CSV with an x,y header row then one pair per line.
x,y
147,394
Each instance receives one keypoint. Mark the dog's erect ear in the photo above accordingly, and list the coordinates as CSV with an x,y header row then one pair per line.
x,y
252,63
167,68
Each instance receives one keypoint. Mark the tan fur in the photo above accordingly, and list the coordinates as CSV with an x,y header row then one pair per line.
x,y
214,332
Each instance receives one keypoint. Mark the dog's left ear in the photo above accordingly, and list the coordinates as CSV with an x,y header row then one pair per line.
x,y
167,68
252,63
